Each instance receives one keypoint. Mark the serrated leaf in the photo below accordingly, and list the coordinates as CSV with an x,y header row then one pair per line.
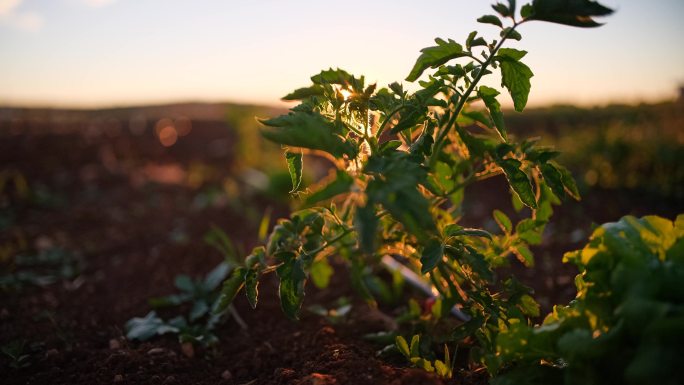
x,y
433,57
490,19
432,255
515,76
518,181
339,185
294,166
252,287
488,96
304,93
503,221
307,130
576,13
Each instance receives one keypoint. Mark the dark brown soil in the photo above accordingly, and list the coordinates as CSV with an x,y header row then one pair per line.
x,y
130,209
135,212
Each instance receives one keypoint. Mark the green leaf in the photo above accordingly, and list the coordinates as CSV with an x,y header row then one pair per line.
x,y
568,181
252,287
576,13
216,276
524,255
488,96
366,224
519,181
230,288
321,271
147,327
441,369
432,255
292,279
529,306
304,93
433,57
403,347
415,346
502,9
503,221
308,130
455,230
553,178
184,283
339,185
490,19
511,33
515,76
294,166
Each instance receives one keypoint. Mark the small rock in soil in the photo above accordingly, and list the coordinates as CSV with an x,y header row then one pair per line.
x,y
51,353
114,344
227,375
170,380
284,373
319,379
188,350
118,378
154,351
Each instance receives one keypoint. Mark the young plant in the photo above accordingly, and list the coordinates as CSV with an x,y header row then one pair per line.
x,y
402,163
626,325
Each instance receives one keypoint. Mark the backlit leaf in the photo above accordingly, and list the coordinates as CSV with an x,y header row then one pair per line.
x,y
519,181
433,57
488,96
515,76
294,166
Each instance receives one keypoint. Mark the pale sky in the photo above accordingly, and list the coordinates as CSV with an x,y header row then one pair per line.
x,y
97,53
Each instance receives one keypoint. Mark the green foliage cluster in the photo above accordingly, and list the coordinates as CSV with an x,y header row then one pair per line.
x,y
626,325
402,162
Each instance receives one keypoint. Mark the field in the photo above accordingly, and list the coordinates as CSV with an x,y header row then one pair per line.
x,y
101,211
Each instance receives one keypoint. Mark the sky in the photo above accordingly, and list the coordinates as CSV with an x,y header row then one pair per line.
x,y
100,53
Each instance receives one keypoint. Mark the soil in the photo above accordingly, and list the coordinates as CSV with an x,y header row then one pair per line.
x,y
135,213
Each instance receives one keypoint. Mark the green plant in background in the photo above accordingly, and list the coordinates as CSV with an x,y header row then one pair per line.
x,y
402,162
201,294
626,325
40,268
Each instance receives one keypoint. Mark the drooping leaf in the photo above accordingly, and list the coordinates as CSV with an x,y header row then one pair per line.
x,y
339,185
488,96
308,130
515,76
230,288
553,178
292,280
568,181
252,287
576,13
294,166
518,181
432,255
433,57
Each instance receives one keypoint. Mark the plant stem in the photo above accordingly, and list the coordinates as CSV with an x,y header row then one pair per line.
x,y
439,142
